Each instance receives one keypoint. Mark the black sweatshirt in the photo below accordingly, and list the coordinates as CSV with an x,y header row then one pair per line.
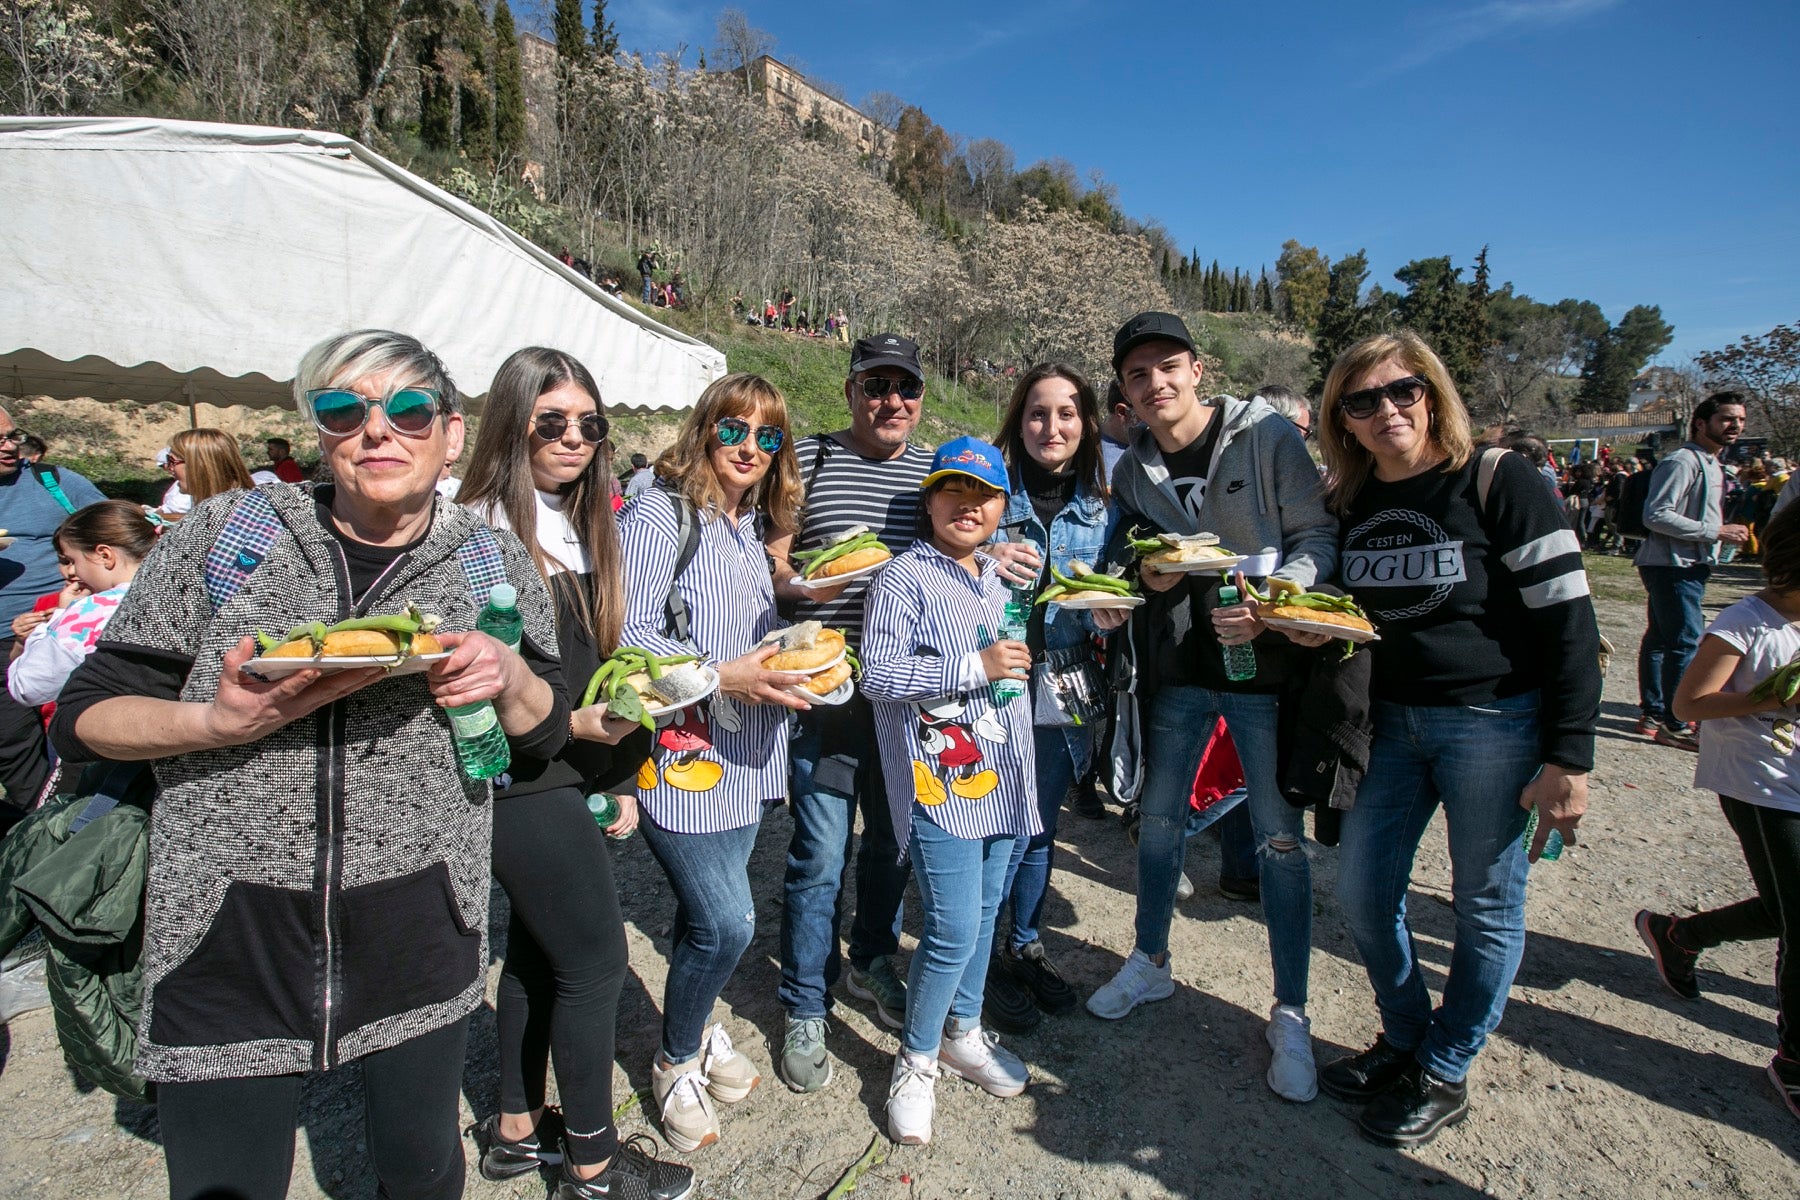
x,y
1474,607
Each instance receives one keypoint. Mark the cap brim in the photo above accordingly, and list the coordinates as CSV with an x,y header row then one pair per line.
x,y
946,472
888,360
1144,339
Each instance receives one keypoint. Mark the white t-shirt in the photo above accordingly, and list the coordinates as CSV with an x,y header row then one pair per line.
x,y
555,536
1742,757
176,502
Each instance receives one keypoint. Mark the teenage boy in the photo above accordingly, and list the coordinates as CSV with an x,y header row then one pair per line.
x,y
1238,469
868,474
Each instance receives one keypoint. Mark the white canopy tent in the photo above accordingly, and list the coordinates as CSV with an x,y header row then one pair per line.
x,y
193,262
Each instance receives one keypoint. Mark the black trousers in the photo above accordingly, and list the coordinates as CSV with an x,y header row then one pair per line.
x,y
24,754
1770,838
233,1139
565,964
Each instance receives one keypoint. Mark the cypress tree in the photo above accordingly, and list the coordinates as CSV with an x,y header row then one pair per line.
x,y
437,98
606,37
475,99
510,139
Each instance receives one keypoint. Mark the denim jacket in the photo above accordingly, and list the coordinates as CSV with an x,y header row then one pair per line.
x,y
1078,533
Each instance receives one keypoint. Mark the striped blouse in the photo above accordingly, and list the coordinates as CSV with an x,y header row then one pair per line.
x,y
716,764
943,743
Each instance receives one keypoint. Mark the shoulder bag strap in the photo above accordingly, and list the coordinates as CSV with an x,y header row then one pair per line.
x,y
53,485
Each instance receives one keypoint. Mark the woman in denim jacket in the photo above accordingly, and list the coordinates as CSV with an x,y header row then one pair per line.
x,y
1058,502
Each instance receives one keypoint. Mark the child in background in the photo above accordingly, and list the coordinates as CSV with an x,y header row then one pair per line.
x,y
960,770
1747,756
101,547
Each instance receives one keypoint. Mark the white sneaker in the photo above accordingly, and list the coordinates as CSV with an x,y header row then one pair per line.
x,y
1184,887
978,1057
1292,1075
688,1117
912,1098
729,1075
1139,981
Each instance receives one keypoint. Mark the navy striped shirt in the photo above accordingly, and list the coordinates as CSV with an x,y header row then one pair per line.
x,y
719,762
849,490
943,743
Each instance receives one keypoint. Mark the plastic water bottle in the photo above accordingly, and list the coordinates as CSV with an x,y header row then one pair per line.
x,y
480,742
1240,661
1013,624
1553,845
604,807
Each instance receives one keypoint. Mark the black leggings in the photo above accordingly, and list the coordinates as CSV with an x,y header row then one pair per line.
x,y
565,964
233,1139
1771,841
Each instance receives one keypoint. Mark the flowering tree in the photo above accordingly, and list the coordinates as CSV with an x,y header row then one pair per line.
x,y
62,57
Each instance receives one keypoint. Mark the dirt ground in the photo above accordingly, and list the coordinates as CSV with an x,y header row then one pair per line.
x,y
1598,1083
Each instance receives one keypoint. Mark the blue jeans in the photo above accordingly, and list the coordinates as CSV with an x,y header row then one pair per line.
x,y
1028,875
1671,635
1172,747
646,280
1475,762
715,918
836,772
960,885
1237,843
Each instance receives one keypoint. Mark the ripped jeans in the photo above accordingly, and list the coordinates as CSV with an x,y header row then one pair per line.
x,y
715,918
1171,757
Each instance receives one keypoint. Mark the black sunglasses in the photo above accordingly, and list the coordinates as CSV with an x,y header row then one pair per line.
x,y
877,386
551,426
1402,393
733,430
340,412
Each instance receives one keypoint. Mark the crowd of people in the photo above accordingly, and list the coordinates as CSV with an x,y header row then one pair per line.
x,y
311,830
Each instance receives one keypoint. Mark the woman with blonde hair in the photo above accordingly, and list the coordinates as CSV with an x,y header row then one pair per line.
x,y
1484,694
694,559
206,462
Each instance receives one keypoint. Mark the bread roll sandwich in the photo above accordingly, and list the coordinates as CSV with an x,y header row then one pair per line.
x,y
814,649
854,549
395,636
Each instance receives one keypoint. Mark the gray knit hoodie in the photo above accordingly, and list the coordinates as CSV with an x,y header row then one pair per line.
x,y
322,893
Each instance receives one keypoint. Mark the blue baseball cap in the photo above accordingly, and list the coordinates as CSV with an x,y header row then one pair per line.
x,y
972,457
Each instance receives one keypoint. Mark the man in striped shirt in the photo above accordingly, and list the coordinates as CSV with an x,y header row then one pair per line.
x,y
867,474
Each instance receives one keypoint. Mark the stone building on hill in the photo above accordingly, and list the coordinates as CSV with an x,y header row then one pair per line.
x,y
786,90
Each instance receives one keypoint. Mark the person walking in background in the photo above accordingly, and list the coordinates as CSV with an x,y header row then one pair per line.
x,y
1485,694
724,760
640,478
1747,757
541,468
1684,518
34,502
958,762
868,475
646,268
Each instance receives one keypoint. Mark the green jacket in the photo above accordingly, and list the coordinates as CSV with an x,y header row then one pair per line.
x,y
76,869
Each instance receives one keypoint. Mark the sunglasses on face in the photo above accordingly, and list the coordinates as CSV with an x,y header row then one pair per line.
x,y
733,430
340,412
551,426
877,386
1402,393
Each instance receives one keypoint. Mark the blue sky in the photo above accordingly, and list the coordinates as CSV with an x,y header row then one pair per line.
x,y
1622,151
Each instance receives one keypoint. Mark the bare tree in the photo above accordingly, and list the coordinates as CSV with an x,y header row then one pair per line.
x,y
990,171
741,43
884,108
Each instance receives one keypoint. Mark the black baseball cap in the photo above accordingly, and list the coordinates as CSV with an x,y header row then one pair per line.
x,y
886,350
1150,327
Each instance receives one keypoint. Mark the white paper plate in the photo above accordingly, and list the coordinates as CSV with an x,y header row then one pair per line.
x,y
831,581
1098,602
838,695
275,668
668,710
1299,625
1204,564
6,542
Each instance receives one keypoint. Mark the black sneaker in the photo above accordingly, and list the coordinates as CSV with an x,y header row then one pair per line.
x,y
1247,888
502,1160
1006,1007
1085,801
1415,1109
1673,963
635,1173
1784,1073
1359,1078
1031,968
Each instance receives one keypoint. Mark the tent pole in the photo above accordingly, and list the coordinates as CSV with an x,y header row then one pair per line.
x,y
187,389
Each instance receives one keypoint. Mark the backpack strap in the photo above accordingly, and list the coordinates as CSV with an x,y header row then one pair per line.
x,y
1484,473
118,783
820,452
53,485
241,546
676,621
